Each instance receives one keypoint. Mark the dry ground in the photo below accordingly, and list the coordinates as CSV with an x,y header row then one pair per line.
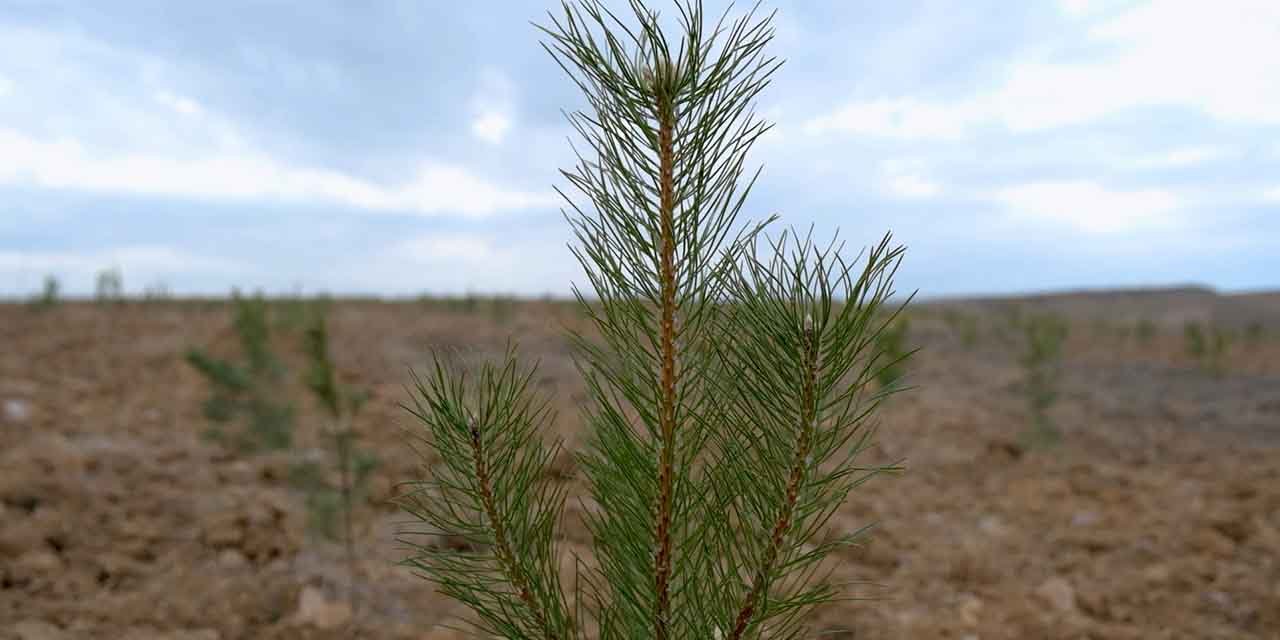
x,y
1157,517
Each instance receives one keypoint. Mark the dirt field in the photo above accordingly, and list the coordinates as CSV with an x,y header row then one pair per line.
x,y
1158,516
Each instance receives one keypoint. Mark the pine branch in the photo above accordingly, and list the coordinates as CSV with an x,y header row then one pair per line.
x,y
487,491
799,398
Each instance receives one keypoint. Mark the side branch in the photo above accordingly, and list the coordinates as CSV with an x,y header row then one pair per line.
x,y
502,548
799,466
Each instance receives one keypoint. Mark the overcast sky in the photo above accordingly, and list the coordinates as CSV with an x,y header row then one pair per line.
x,y
401,147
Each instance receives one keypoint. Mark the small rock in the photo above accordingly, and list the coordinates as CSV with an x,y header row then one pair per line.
x,y
196,634
1085,518
149,633
40,561
231,559
37,630
16,410
1156,574
970,607
1219,598
1058,594
317,610
993,526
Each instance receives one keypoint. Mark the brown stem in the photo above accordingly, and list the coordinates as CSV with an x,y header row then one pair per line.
x,y
804,441
666,156
344,459
503,549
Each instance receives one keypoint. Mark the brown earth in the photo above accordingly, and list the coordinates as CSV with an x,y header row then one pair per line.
x,y
1157,517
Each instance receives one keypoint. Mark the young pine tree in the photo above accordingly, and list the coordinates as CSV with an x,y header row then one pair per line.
x,y
731,388
341,404
251,389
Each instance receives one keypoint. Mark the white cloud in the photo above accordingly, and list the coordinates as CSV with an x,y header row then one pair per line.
x,y
140,135
1272,194
141,262
1089,8
458,261
449,247
493,104
904,118
181,104
909,186
67,164
1077,7
1178,158
1089,207
491,127
905,179
1214,58
6,86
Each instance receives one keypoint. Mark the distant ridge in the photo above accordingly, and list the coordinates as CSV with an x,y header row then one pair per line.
x,y
1165,306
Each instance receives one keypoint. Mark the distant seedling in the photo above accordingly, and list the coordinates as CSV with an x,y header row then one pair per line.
x,y
1145,331
156,291
250,389
293,312
49,294
1042,366
110,286
1255,333
327,503
1207,348
962,325
892,345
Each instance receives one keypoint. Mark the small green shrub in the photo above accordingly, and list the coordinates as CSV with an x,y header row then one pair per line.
x,y
1207,347
110,286
1041,361
49,294
250,390
1194,338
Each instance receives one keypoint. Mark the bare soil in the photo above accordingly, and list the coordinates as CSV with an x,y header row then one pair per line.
x,y
1158,515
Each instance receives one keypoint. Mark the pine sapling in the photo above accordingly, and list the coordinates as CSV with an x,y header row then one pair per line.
x,y
49,294
110,286
251,389
893,343
341,406
1207,348
1145,331
1042,364
1255,333
732,388
962,325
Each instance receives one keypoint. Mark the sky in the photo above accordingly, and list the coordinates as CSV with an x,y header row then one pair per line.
x,y
400,147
